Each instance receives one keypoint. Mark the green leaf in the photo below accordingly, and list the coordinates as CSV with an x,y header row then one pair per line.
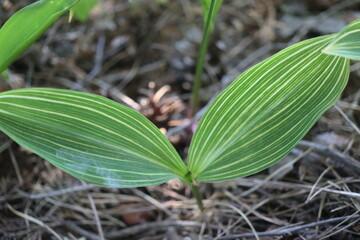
x,y
27,25
260,117
205,4
347,42
83,8
90,137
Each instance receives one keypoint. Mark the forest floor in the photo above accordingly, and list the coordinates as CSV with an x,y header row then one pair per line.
x,y
142,54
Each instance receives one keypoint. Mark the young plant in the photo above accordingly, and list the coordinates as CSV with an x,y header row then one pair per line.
x,y
251,125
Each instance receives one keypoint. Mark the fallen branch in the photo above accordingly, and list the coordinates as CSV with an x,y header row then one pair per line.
x,y
331,153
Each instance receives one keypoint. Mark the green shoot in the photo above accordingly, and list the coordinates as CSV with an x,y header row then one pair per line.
x,y
210,9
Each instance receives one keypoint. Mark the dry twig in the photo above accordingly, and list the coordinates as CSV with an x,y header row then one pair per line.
x,y
290,230
142,228
59,192
34,220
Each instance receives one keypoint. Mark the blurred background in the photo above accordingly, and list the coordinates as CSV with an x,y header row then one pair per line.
x,y
142,54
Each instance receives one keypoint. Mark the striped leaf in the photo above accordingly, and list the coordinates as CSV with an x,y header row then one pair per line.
x,y
347,42
261,116
27,25
90,137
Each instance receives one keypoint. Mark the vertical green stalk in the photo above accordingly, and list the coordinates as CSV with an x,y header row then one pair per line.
x,y
188,179
201,59
197,195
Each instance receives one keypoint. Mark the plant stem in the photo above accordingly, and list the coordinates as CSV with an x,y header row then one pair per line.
x,y
197,195
201,59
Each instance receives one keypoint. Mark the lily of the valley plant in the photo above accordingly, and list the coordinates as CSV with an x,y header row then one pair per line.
x,y
251,125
